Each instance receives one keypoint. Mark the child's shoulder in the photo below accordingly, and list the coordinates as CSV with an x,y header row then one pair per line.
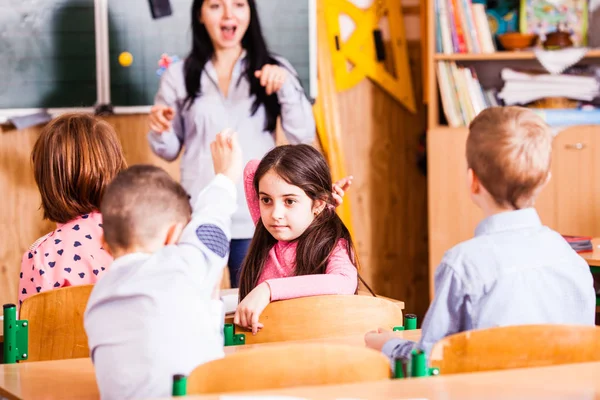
x,y
87,227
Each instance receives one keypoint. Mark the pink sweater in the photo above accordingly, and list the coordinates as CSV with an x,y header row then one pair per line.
x,y
339,278
69,256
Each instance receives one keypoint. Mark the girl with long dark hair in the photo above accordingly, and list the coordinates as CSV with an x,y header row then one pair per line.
x,y
229,80
300,246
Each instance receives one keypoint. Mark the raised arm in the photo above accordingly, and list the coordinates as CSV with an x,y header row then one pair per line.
x,y
166,142
251,195
205,240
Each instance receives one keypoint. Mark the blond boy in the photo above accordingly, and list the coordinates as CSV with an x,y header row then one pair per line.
x,y
514,271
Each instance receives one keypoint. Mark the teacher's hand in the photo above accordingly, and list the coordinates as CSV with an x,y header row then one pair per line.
x,y
161,117
272,78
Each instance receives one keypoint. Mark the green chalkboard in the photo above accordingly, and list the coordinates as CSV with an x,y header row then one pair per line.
x,y
47,51
48,54
131,28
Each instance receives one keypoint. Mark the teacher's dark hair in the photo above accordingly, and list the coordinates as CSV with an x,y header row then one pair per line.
x,y
258,55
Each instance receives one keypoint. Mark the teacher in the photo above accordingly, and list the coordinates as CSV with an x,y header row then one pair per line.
x,y
229,80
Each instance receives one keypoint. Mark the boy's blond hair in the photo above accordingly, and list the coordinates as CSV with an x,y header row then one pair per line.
x,y
509,149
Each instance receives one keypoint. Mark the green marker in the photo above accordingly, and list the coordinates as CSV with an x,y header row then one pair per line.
x,y
179,385
418,364
410,322
399,369
228,333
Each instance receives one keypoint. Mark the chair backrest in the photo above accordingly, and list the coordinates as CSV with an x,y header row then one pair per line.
x,y
55,318
520,346
289,365
324,316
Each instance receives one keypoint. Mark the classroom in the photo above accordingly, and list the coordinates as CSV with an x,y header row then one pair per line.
x,y
299,199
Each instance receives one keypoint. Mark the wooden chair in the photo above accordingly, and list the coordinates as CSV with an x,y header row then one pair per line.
x,y
521,346
55,318
289,365
324,316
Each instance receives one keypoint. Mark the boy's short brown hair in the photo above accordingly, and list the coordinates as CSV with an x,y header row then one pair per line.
x,y
509,149
74,159
140,202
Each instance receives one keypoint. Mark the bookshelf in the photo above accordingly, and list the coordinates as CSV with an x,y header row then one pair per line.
x,y
485,66
569,203
499,56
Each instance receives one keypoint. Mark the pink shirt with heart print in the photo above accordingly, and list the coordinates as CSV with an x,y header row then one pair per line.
x,y
69,256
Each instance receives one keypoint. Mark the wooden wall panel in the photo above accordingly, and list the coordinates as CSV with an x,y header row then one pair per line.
x,y
388,197
20,217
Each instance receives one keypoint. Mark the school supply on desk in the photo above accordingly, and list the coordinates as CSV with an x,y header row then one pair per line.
x,y
230,301
580,244
416,367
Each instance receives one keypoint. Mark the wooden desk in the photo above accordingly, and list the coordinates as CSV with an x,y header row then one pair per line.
x,y
75,379
593,260
352,340
64,379
573,381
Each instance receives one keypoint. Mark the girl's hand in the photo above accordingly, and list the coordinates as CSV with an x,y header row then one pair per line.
x,y
339,189
272,78
227,155
248,311
376,339
161,117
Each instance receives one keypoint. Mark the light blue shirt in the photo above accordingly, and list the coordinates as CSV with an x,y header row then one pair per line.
x,y
194,129
515,271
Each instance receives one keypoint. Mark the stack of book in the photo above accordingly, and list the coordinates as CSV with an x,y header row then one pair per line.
x,y
462,27
462,95
580,244
526,87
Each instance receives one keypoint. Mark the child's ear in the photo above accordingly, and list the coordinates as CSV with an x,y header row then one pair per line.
x,y
473,182
105,246
318,206
174,233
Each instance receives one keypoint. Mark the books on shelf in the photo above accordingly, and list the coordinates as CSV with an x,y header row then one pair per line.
x,y
462,27
462,94
580,244
526,87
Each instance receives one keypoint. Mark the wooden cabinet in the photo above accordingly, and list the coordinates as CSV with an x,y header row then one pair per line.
x,y
576,176
569,204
